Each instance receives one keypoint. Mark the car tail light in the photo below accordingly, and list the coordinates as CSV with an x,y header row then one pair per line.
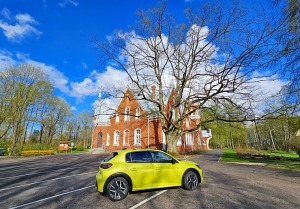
x,y
105,165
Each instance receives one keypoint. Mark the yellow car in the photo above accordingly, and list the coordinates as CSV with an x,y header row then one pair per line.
x,y
132,170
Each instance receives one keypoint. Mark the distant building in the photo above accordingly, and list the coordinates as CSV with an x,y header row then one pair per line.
x,y
298,134
132,125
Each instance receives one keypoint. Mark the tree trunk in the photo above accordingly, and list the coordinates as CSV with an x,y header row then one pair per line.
x,y
272,140
172,139
258,136
41,133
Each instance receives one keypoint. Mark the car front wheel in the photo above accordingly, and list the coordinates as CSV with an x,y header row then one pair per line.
x,y
117,189
190,180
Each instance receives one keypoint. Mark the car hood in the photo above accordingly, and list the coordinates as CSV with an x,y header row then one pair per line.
x,y
187,162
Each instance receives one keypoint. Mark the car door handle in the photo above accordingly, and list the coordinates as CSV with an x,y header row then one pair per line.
x,y
133,169
156,168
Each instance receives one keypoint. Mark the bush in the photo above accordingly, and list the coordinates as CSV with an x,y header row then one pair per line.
x,y
79,148
38,146
295,146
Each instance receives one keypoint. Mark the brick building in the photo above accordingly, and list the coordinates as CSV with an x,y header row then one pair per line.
x,y
132,124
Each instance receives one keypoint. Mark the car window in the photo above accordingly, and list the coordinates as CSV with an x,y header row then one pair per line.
x,y
139,157
111,156
160,157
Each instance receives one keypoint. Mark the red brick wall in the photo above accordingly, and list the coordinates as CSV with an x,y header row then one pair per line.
x,y
155,134
153,139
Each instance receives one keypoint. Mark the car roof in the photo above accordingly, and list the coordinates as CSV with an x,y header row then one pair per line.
x,y
120,152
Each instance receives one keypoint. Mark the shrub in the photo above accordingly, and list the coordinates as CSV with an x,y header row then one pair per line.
x,y
295,146
79,148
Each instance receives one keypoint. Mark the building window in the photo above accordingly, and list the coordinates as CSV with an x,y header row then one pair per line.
x,y
117,118
137,137
126,138
173,115
199,140
127,114
137,113
179,141
189,139
107,139
116,137
187,123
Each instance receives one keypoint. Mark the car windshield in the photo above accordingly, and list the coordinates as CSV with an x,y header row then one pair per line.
x,y
111,156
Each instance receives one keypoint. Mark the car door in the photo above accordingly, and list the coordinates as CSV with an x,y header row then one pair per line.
x,y
167,170
140,169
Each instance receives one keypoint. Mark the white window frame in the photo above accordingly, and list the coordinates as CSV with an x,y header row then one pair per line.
x,y
116,138
137,137
179,141
127,114
138,114
126,141
117,117
187,123
189,139
107,139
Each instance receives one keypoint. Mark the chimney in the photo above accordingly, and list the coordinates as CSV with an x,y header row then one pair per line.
x,y
153,88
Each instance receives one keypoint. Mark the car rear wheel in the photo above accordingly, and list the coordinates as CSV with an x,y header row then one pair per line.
x,y
117,189
190,180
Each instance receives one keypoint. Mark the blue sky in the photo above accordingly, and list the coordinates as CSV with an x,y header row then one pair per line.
x,y
57,35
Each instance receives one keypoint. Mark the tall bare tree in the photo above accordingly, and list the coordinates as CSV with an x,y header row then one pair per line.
x,y
289,52
213,58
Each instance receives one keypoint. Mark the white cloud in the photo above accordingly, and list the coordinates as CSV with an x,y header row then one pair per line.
x,y
66,2
208,75
23,27
84,88
270,86
25,18
111,79
6,59
56,77
90,86
6,13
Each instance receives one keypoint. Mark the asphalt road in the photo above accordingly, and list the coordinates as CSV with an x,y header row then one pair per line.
x,y
67,181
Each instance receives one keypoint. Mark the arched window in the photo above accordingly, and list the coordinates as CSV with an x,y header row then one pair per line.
x,y
137,136
126,138
137,113
187,122
107,139
116,137
117,118
179,141
127,114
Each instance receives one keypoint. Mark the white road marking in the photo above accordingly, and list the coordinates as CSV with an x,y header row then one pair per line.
x,y
30,174
148,199
39,182
30,203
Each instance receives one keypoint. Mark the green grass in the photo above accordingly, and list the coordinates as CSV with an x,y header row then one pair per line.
x,y
280,153
292,162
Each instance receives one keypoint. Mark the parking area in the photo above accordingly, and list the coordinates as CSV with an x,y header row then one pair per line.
x,y
67,181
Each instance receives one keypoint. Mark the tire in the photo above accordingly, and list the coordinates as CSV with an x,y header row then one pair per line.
x,y
190,180
117,189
